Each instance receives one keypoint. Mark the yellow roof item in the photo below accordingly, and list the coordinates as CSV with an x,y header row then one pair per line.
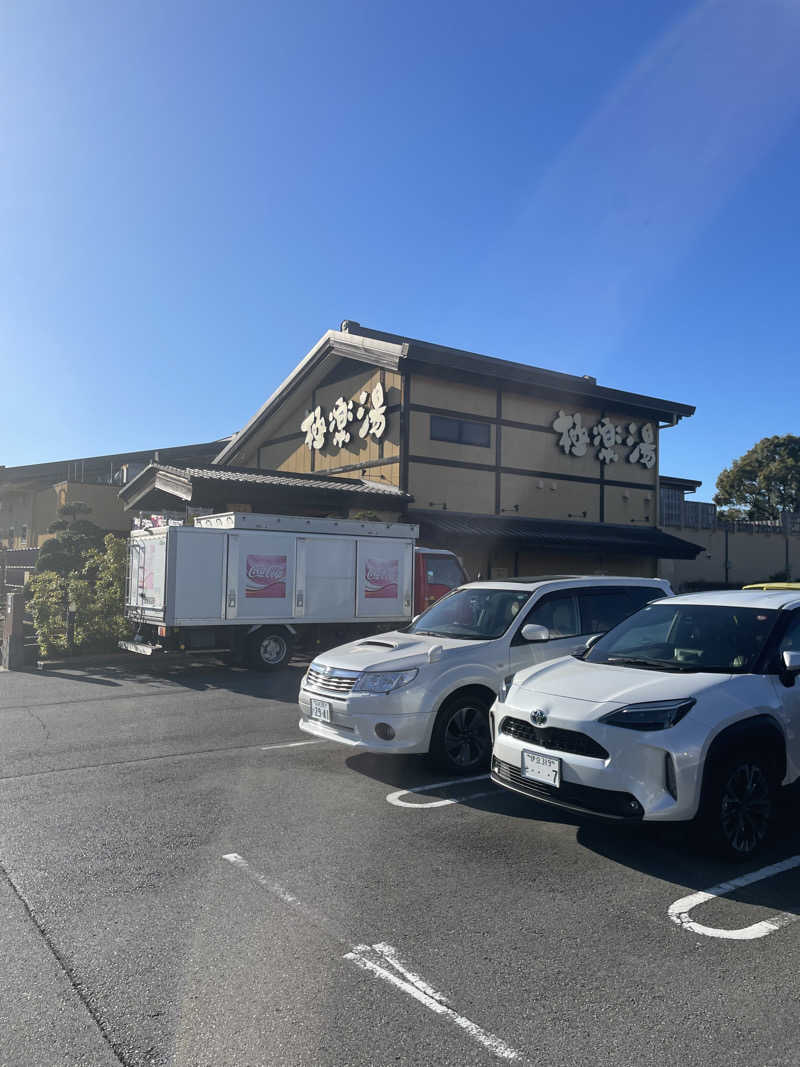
x,y
773,585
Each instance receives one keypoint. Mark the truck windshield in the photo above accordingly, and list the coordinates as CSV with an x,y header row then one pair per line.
x,y
687,637
472,614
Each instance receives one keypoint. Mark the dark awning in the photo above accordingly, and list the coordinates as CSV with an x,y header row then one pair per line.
x,y
552,533
164,487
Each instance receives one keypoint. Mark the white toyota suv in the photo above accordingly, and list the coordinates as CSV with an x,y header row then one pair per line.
x,y
428,688
689,708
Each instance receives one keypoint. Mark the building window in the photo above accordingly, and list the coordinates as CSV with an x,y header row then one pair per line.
x,y
461,432
671,501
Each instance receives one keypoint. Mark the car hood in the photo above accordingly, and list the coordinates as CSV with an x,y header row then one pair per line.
x,y
396,651
598,683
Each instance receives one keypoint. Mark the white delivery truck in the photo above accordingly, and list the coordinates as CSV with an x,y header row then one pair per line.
x,y
259,585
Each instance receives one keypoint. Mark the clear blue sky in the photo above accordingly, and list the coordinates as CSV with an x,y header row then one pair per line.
x,y
191,193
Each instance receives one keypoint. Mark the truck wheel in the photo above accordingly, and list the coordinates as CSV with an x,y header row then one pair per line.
x,y
462,741
267,650
738,804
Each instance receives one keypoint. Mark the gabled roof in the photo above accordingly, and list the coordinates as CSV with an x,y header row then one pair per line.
x,y
393,351
163,486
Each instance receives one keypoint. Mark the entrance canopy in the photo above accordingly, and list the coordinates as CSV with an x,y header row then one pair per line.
x,y
555,534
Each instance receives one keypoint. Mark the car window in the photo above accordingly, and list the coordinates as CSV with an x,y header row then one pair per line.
x,y
443,570
602,609
689,637
556,611
639,595
471,614
790,642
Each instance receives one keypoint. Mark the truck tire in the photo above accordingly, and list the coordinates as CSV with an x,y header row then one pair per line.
x,y
462,741
268,650
739,799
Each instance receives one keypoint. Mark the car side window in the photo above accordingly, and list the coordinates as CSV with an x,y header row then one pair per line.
x,y
790,642
602,609
556,611
639,595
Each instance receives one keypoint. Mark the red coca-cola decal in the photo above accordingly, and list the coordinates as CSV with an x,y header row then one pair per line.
x,y
381,577
266,576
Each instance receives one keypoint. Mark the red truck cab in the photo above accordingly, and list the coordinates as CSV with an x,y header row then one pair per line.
x,y
436,572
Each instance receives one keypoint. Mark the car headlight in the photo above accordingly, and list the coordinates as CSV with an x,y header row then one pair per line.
x,y
652,715
384,681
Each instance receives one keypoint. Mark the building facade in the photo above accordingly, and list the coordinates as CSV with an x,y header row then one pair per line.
x,y
519,469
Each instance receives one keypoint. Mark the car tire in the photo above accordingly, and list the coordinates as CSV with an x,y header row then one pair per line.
x,y
739,803
462,741
268,650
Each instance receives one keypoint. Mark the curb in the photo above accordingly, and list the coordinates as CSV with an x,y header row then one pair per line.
x,y
100,660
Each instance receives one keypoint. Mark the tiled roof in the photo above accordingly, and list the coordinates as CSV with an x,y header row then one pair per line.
x,y
250,476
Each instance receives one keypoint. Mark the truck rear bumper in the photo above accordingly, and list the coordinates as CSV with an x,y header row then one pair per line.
x,y
144,648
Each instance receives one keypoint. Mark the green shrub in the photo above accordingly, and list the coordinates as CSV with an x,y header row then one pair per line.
x,y
96,588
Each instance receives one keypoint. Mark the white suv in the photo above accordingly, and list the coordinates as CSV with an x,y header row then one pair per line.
x,y
687,708
428,688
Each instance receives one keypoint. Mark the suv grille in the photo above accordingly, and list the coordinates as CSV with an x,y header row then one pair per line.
x,y
553,738
330,681
571,795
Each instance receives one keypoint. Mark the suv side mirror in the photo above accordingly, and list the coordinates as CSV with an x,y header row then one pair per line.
x,y
533,632
592,641
791,663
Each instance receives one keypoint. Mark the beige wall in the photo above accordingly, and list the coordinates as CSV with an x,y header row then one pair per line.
x,y
549,498
551,492
459,488
752,557
294,456
107,510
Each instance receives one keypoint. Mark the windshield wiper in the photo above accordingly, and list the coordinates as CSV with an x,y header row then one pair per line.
x,y
650,664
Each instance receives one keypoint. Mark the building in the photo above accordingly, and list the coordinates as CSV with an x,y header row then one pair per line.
x,y
519,469
31,495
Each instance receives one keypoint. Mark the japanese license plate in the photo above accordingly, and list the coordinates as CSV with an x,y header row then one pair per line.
x,y
321,709
541,768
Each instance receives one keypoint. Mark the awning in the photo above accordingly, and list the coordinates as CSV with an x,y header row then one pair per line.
x,y
552,533
162,487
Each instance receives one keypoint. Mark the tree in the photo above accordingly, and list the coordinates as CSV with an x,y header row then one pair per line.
x,y
74,509
66,551
764,482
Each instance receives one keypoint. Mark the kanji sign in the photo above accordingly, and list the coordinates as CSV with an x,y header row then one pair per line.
x,y
369,411
574,439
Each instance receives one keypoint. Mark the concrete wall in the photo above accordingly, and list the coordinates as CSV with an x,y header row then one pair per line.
x,y
751,557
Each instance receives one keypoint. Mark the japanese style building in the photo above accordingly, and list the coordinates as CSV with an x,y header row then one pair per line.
x,y
519,469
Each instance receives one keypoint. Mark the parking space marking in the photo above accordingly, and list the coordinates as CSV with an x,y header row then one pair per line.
x,y
382,961
680,910
364,957
291,744
395,798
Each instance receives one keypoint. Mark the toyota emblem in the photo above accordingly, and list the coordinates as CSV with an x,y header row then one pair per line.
x,y
538,717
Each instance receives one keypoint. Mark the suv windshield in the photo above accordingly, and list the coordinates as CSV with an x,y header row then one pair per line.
x,y
474,614
687,637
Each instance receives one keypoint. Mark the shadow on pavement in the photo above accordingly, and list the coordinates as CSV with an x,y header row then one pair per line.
x,y
282,685
671,852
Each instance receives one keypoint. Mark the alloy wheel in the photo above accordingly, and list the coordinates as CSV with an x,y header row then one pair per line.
x,y
746,808
466,738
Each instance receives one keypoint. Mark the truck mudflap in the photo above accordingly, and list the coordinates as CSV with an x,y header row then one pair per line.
x,y
144,648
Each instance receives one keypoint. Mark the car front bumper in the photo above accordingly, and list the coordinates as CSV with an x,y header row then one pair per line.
x,y
355,716
631,782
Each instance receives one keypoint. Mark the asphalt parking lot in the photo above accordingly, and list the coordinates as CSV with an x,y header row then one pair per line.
x,y
187,879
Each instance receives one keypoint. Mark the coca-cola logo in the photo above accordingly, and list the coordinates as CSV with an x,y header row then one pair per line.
x,y
381,578
266,576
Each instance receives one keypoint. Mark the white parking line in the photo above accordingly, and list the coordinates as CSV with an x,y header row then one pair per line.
x,y
679,911
383,962
416,987
394,798
291,744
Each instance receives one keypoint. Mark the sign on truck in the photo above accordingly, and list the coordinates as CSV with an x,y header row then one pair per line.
x,y
260,585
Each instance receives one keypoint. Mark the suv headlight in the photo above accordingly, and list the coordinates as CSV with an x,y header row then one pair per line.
x,y
652,715
384,681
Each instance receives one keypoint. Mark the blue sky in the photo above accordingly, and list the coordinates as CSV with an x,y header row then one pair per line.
x,y
191,193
